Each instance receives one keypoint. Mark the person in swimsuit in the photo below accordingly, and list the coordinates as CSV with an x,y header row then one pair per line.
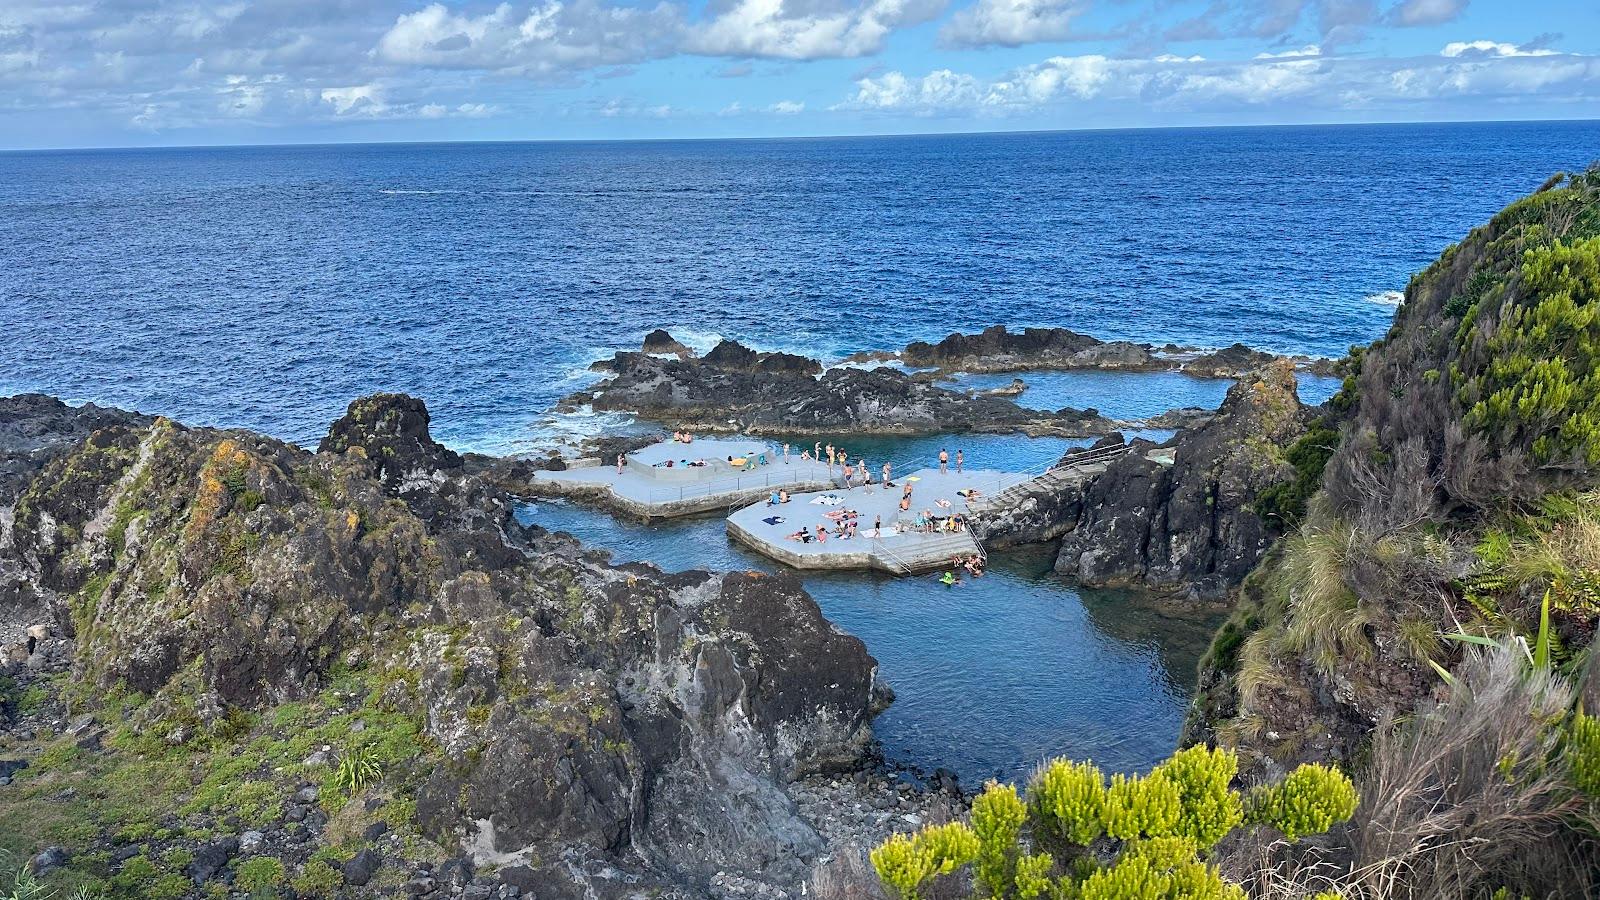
x,y
944,462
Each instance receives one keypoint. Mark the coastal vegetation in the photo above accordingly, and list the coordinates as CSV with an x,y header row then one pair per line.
x,y
1076,836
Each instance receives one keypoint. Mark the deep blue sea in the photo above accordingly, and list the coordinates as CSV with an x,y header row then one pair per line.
x,y
266,287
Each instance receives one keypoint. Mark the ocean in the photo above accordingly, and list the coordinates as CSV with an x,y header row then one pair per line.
x,y
266,287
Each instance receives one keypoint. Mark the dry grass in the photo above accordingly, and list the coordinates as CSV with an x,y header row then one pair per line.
x,y
1456,802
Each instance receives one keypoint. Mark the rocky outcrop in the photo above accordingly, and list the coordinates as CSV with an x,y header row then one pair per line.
x,y
661,341
996,349
1235,361
1189,528
604,729
735,357
773,396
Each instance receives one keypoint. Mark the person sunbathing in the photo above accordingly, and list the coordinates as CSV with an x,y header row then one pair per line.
x,y
772,499
905,504
803,535
783,496
822,533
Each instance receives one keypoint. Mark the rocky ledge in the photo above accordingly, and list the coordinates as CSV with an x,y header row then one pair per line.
x,y
997,349
734,388
323,642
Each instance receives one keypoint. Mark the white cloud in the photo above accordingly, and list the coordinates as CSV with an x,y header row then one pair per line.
x,y
787,108
1195,84
545,37
1490,48
1012,23
938,90
361,99
1303,52
785,29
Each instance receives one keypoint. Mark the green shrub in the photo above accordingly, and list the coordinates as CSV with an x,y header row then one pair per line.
x,y
1068,801
1208,806
259,874
1285,502
318,879
1583,753
1310,801
357,768
1152,830
997,818
906,863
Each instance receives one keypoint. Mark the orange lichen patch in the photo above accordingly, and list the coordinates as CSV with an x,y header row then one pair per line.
x,y
213,496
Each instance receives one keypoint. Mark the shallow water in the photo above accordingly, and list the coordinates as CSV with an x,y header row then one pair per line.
x,y
991,676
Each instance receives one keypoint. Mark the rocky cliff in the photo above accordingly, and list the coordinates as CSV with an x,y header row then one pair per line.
x,y
1192,527
319,641
1460,494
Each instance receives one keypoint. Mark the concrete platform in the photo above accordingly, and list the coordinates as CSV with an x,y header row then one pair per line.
x,y
701,478
898,550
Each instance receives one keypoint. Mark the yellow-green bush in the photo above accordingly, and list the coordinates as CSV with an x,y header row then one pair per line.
x,y
1583,753
997,818
1068,800
1310,801
906,863
1155,830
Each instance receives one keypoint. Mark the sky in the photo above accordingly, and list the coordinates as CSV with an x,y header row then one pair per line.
x,y
87,73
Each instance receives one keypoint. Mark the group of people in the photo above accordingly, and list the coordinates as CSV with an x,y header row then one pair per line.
x,y
840,523
973,565
682,437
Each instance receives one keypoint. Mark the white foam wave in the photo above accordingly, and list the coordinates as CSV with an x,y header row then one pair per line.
x,y
696,339
1386,298
568,428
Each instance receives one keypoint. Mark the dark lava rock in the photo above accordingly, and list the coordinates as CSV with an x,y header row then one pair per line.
x,y
359,869
392,431
1234,361
211,858
48,860
701,396
996,349
734,356
662,341
10,767
650,718
375,830
1189,528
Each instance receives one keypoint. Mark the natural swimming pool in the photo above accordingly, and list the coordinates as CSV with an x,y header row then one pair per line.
x,y
991,676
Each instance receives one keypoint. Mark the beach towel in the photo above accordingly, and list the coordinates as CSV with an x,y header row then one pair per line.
x,y
773,520
828,500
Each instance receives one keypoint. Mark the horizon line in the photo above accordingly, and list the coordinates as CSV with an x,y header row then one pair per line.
x,y
797,137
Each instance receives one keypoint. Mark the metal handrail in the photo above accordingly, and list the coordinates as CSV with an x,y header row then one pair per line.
x,y
726,485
